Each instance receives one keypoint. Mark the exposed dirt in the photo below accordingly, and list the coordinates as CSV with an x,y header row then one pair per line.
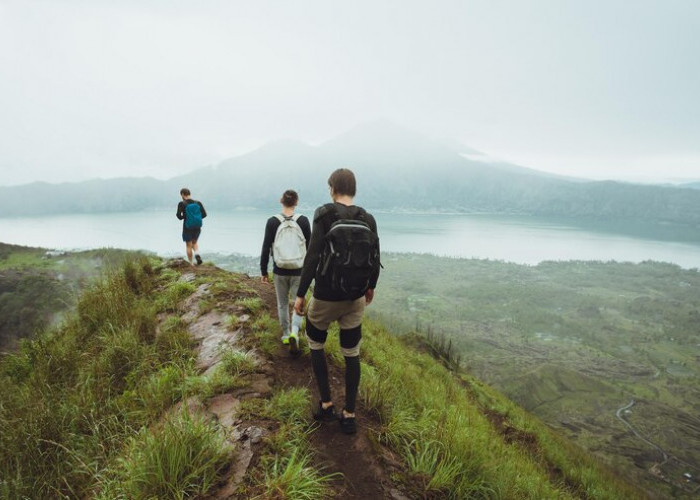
x,y
366,475
366,467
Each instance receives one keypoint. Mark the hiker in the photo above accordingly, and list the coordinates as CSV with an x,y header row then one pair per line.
x,y
191,212
286,239
343,258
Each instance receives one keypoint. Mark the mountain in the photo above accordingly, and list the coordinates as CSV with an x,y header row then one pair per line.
x,y
169,382
396,169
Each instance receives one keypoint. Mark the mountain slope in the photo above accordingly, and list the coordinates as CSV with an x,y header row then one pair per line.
x,y
159,386
396,169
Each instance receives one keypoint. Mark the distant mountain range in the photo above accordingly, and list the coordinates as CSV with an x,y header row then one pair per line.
x,y
396,169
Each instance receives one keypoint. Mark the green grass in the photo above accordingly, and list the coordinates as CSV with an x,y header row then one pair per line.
x,y
439,424
266,333
81,391
251,304
569,341
286,471
183,458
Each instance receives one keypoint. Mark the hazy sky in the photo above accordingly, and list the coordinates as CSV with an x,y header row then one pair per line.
x,y
594,88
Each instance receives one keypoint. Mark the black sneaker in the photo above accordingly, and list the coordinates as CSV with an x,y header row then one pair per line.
x,y
199,259
347,424
327,415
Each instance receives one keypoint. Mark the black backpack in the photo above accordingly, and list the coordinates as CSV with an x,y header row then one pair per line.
x,y
350,255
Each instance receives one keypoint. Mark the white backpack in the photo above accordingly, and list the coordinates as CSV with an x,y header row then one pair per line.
x,y
289,247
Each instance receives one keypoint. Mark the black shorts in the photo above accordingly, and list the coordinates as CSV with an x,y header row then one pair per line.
x,y
191,234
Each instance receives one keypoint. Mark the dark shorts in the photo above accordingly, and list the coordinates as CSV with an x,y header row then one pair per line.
x,y
190,234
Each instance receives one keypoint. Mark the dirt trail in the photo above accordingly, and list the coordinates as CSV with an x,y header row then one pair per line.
x,y
365,475
366,467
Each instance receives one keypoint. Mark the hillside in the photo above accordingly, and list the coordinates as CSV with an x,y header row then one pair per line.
x,y
169,382
38,285
573,343
397,169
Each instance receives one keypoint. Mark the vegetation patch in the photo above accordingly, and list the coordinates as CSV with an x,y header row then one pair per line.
x,y
76,394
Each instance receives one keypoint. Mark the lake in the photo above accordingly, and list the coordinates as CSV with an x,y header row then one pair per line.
x,y
520,239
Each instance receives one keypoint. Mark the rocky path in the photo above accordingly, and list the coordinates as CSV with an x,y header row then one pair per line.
x,y
364,465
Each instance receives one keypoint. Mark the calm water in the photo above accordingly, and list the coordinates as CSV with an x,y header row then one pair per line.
x,y
516,239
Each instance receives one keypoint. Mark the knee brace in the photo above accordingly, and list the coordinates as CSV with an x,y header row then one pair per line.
x,y
350,340
317,337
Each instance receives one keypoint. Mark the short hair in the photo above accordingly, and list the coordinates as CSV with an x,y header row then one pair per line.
x,y
342,182
290,198
185,192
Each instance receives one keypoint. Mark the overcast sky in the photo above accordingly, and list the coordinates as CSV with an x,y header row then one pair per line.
x,y
592,88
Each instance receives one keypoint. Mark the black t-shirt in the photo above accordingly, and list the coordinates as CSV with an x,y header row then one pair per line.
x,y
270,231
324,217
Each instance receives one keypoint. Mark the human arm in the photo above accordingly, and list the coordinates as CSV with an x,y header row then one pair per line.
x,y
313,254
374,277
305,228
201,207
270,230
180,214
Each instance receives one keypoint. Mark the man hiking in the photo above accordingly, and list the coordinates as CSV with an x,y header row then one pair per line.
x,y
191,212
286,239
343,258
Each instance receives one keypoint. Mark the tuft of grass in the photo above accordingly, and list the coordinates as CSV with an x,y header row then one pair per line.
x,y
238,362
170,299
291,405
293,477
431,467
265,331
232,321
219,382
184,458
251,304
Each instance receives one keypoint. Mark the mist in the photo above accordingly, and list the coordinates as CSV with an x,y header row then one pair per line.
x,y
102,90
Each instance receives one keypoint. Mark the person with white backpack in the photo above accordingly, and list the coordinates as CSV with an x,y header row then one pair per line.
x,y
286,240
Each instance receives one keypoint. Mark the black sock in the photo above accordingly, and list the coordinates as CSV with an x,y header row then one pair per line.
x,y
352,381
318,362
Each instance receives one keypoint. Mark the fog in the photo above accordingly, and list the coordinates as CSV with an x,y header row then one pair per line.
x,y
599,89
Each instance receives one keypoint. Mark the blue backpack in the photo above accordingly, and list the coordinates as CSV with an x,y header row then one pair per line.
x,y
193,215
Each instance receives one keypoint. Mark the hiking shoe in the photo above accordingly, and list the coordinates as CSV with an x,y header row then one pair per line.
x,y
199,259
294,345
347,424
285,339
327,415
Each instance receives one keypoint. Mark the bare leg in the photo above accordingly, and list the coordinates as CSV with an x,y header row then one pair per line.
x,y
195,247
189,251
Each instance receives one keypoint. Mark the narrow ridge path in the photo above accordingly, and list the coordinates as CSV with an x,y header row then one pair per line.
x,y
365,475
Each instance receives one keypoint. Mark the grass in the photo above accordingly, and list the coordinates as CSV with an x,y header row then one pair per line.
x,y
286,471
251,304
451,448
266,333
80,391
183,458
569,341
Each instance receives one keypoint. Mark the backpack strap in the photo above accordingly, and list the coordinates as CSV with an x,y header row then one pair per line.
x,y
280,218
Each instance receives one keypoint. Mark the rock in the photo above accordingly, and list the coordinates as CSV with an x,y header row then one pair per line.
x,y
225,407
397,495
187,278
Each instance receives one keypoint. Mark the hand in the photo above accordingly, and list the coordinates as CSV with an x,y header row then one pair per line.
x,y
369,295
299,305
265,279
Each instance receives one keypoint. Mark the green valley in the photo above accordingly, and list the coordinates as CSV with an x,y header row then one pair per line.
x,y
572,342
